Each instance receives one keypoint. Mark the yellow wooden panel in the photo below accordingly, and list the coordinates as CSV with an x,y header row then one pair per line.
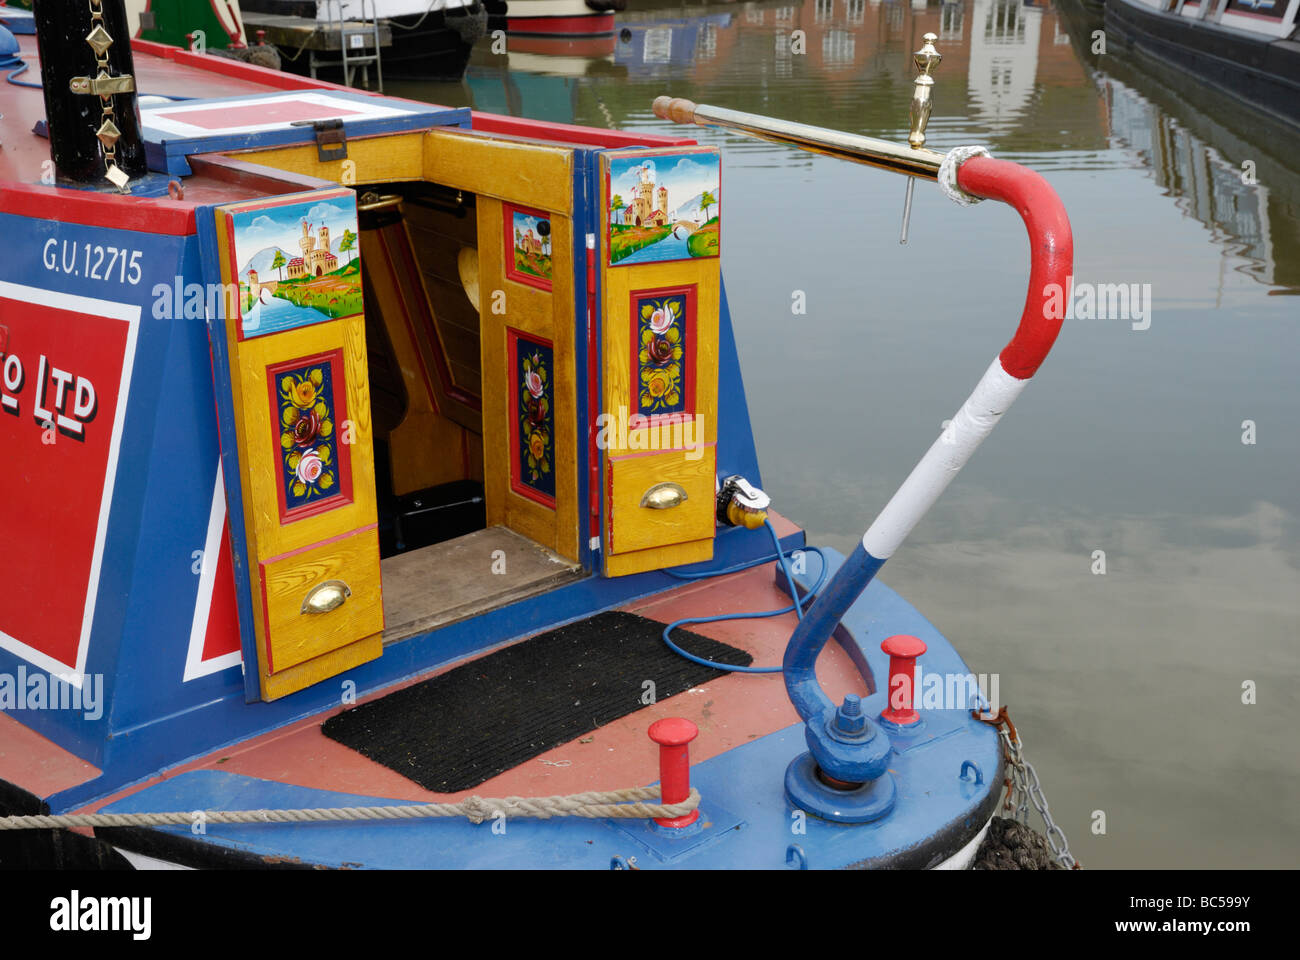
x,y
385,158
425,449
296,636
531,174
618,283
493,350
258,432
631,526
322,668
549,315
256,426
639,541
567,434
657,558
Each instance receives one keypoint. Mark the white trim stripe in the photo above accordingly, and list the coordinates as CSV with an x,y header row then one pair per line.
x,y
991,398
169,118
109,310
195,665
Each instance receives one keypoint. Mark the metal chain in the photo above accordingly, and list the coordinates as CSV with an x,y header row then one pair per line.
x,y
100,40
1023,786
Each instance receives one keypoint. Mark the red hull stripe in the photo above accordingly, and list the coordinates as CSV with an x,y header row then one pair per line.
x,y
175,218
585,25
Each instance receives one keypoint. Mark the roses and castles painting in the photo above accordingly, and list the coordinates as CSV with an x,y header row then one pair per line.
x,y
664,206
298,261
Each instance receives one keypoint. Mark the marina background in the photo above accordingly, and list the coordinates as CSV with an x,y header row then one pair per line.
x,y
1127,685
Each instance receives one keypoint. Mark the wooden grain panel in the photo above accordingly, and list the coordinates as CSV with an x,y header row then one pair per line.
x,y
318,544
258,433
657,558
634,527
451,304
674,544
619,284
297,637
549,315
531,174
424,217
446,582
384,158
322,668
438,251
420,316
425,448
495,363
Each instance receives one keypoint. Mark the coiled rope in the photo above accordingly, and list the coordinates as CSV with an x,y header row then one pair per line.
x,y
598,805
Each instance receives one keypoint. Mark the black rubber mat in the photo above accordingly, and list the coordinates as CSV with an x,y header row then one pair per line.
x,y
454,731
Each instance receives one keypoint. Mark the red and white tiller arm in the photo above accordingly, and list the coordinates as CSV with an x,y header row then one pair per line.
x,y
1051,262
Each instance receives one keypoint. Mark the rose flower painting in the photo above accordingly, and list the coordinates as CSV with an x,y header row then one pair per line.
x,y
307,441
536,419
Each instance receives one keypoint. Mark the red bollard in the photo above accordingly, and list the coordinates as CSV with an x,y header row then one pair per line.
x,y
673,734
903,651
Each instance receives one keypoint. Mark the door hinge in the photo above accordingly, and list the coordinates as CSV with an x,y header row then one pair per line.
x,y
331,141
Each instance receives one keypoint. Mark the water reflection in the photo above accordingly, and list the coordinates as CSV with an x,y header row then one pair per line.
x,y
1019,77
1128,684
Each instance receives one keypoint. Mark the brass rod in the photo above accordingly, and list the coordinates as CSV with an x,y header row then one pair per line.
x,y
900,158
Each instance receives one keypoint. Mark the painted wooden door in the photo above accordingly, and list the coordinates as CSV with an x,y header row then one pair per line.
x,y
528,339
289,360
660,287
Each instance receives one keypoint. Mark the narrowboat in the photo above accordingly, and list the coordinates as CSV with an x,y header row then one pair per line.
x,y
1247,49
380,491
554,18
427,40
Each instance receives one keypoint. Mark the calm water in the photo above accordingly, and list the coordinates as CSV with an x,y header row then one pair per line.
x,y
1127,686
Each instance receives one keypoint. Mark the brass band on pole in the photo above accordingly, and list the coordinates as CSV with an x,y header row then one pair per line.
x,y
900,158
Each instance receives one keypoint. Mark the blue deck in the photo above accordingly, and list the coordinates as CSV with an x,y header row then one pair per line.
x,y
750,822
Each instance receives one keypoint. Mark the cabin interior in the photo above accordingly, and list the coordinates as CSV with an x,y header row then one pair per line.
x,y
419,242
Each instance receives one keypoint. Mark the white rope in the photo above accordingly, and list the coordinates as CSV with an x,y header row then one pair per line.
x,y
948,174
599,805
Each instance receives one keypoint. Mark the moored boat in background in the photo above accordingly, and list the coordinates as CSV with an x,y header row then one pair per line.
x,y
554,18
430,39
1247,49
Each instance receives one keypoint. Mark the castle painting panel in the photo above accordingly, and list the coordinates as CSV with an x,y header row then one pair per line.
x,y
528,246
665,206
297,262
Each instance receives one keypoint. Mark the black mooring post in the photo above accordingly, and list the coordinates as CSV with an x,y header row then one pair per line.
x,y
89,81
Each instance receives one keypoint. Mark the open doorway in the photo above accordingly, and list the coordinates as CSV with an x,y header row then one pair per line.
x,y
442,560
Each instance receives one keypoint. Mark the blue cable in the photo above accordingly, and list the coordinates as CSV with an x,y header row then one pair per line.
x,y
9,62
796,606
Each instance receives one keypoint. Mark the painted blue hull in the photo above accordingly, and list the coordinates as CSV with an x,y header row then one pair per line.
x,y
948,776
